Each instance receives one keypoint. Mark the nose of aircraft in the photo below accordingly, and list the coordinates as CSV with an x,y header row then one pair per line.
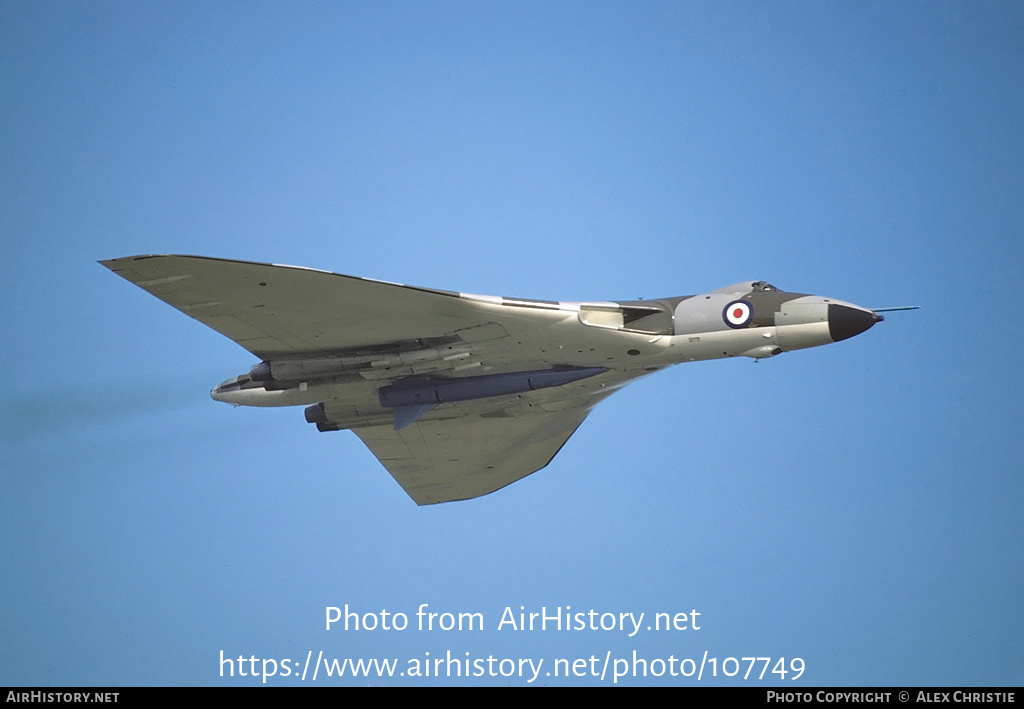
x,y
845,321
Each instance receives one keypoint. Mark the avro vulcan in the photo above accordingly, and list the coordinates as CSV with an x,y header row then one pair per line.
x,y
459,395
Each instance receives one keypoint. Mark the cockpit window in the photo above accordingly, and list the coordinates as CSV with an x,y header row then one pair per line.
x,y
762,286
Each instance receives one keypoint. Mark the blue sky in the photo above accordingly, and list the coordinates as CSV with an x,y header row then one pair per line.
x,y
857,506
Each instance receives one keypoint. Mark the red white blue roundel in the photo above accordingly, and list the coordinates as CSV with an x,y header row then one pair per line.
x,y
738,314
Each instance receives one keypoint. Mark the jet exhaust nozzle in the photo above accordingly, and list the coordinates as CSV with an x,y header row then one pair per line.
x,y
316,414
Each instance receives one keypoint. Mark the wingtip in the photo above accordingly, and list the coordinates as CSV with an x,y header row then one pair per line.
x,y
111,262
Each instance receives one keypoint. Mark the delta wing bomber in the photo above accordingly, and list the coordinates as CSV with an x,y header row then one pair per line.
x,y
459,395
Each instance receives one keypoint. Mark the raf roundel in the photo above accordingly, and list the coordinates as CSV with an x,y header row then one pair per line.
x,y
738,314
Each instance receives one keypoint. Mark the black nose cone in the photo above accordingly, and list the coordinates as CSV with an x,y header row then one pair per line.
x,y
844,322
